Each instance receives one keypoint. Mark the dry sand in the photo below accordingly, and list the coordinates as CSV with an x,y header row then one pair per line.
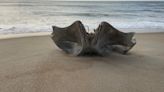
x,y
35,64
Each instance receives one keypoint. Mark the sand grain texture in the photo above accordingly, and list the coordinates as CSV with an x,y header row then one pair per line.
x,y
35,64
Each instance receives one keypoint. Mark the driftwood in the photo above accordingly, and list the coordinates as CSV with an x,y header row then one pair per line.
x,y
76,41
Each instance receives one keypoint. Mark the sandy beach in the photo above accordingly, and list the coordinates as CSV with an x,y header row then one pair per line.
x,y
35,64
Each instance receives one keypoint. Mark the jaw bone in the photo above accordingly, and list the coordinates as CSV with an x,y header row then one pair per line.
x,y
76,41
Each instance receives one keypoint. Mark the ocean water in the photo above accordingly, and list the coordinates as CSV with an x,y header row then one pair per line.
x,y
32,16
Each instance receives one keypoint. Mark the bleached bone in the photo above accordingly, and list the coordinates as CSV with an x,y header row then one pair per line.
x,y
76,41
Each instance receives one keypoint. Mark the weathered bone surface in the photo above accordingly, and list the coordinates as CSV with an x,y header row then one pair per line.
x,y
76,41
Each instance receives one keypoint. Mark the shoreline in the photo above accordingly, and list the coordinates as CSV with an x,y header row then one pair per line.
x,y
20,35
10,36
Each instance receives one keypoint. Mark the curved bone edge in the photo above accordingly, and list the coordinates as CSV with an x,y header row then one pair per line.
x,y
71,39
108,38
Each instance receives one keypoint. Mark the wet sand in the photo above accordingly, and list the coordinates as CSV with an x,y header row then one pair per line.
x,y
35,64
